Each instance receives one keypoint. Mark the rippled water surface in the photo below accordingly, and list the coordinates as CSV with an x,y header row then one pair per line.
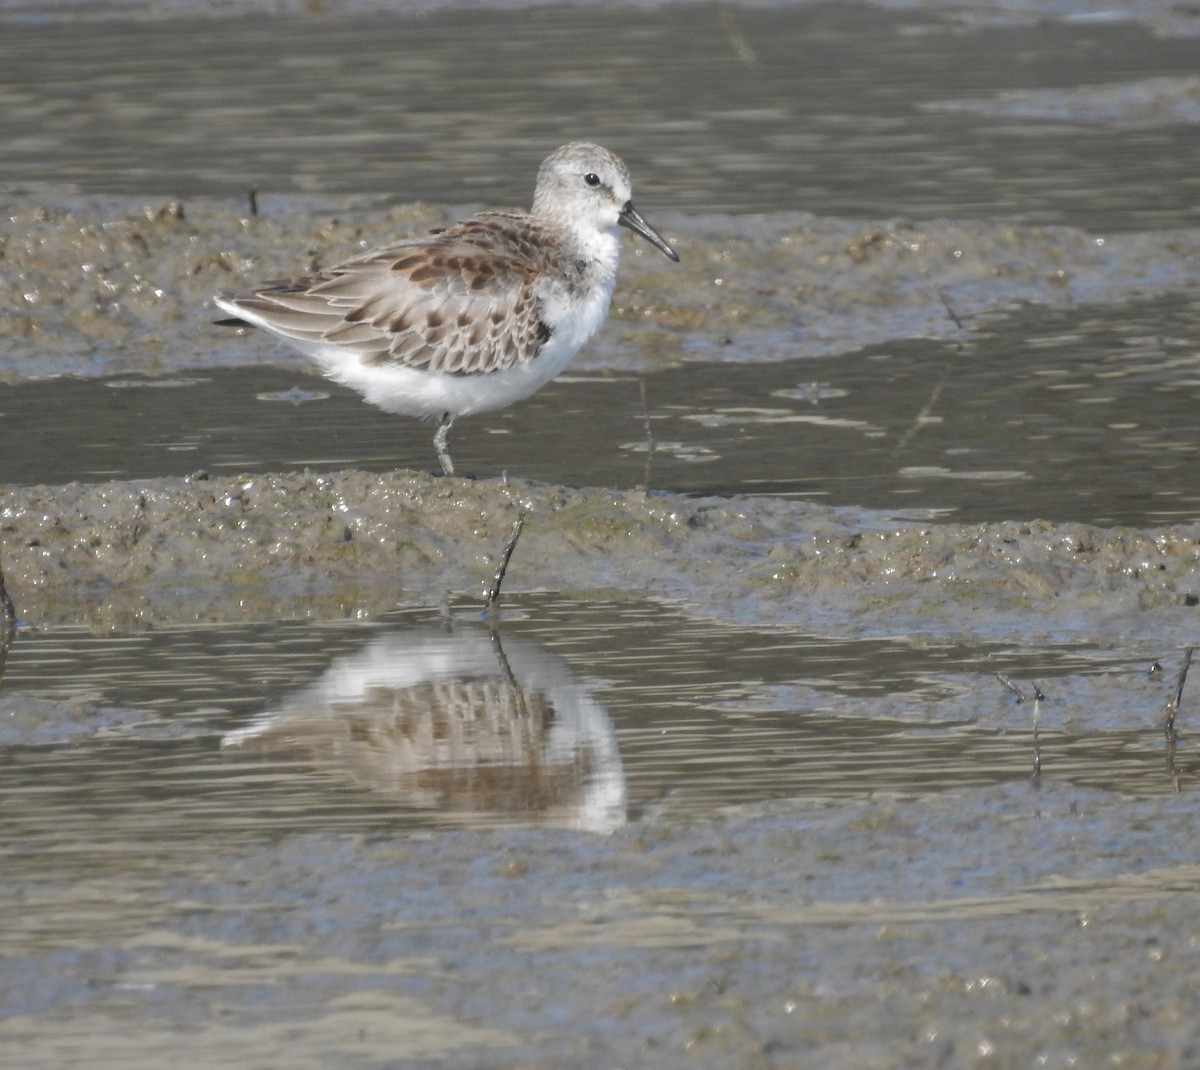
x,y
315,843
249,844
1086,414
834,108
326,724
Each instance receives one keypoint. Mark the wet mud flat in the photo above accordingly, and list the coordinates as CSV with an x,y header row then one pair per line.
x,y
200,874
754,771
915,869
931,869
303,544
783,935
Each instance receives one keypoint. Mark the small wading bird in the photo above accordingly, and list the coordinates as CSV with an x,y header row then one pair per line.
x,y
473,317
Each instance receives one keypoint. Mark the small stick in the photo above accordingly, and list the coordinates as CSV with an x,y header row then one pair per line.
x,y
1011,686
1177,697
955,318
252,197
1169,721
1037,747
6,605
493,595
915,248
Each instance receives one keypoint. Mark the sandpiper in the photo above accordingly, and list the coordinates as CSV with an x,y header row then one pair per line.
x,y
473,317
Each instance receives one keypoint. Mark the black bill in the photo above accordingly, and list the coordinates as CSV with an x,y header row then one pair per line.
x,y
631,218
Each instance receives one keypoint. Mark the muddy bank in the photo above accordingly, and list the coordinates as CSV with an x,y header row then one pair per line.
x,y
98,286
858,848
793,935
300,544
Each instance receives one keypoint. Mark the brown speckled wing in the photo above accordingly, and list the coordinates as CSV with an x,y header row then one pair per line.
x,y
462,301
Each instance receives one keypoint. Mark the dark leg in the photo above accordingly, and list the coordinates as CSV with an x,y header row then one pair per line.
x,y
493,597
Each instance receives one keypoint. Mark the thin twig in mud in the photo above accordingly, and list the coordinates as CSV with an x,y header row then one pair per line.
x,y
8,611
1011,686
954,316
1038,694
493,595
1037,747
649,433
1169,721
914,248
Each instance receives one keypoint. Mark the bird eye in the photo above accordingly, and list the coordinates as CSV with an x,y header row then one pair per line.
x,y
592,179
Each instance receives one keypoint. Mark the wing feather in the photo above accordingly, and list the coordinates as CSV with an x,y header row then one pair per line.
x,y
463,301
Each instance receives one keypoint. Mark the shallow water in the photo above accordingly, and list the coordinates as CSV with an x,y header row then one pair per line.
x,y
305,843
1085,414
326,725
183,875
830,108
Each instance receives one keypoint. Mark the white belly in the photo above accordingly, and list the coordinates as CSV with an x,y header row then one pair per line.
x,y
573,316
412,392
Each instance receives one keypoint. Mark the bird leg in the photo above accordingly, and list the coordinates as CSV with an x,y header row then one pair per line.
x,y
441,443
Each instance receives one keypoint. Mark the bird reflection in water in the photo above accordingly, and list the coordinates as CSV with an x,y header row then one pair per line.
x,y
458,722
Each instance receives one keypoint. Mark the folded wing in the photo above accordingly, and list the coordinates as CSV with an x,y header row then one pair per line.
x,y
445,303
